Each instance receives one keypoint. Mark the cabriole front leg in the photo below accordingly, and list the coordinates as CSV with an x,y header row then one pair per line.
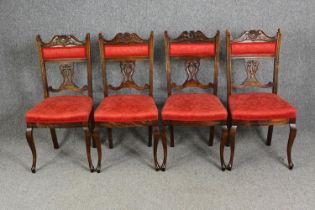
x,y
290,144
224,136
88,147
232,134
30,141
97,139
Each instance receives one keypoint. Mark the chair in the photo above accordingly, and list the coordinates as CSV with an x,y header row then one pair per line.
x,y
65,111
127,110
256,108
194,109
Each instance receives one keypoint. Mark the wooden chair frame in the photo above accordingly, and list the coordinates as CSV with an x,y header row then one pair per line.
x,y
255,36
128,82
68,84
192,37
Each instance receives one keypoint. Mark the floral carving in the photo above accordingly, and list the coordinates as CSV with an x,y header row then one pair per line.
x,y
254,35
192,36
63,41
127,38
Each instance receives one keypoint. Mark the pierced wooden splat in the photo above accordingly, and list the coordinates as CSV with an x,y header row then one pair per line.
x,y
128,70
192,69
254,36
67,72
251,68
192,36
63,41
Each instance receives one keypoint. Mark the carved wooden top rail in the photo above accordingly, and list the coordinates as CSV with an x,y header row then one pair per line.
x,y
252,46
254,36
127,48
65,50
191,36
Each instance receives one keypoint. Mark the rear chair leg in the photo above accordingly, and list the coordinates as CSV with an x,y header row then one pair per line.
x,y
96,137
88,147
30,141
54,138
150,137
110,137
232,134
211,137
224,136
290,144
269,136
171,127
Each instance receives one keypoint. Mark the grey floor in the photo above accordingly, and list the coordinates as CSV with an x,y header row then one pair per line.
x,y
260,179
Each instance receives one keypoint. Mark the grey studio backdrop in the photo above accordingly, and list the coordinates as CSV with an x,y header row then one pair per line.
x,y
21,85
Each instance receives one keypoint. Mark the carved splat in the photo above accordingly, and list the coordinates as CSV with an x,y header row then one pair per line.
x,y
63,41
127,38
67,72
192,69
254,35
251,68
128,70
192,36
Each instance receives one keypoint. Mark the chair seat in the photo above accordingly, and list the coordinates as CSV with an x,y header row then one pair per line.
x,y
61,109
194,107
126,108
260,106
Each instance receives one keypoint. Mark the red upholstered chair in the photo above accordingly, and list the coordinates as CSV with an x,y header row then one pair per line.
x,y
256,108
194,109
127,110
68,110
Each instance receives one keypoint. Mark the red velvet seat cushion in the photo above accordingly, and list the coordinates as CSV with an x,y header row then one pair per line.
x,y
260,106
51,53
135,50
193,107
261,48
61,109
126,108
187,49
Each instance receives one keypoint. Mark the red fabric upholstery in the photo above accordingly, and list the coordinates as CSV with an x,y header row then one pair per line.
x,y
126,108
61,109
186,49
193,107
260,106
261,48
51,53
111,51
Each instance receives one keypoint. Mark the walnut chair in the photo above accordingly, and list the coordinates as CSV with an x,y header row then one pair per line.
x,y
127,110
256,108
194,109
65,111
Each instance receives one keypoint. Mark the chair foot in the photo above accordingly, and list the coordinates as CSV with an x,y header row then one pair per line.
x,y
223,167
229,166
291,165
